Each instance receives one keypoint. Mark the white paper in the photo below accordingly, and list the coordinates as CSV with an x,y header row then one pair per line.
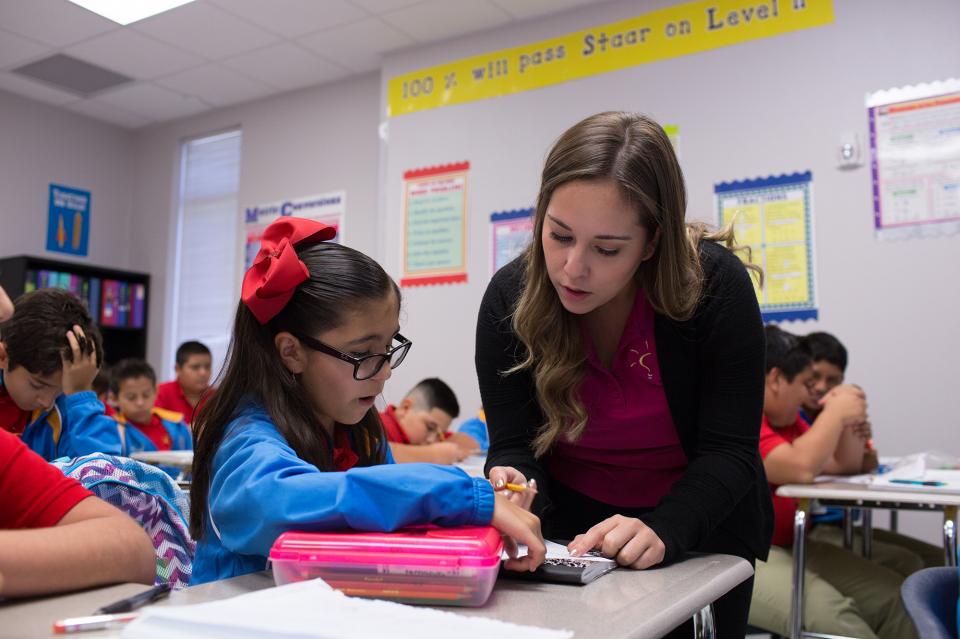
x,y
558,551
311,610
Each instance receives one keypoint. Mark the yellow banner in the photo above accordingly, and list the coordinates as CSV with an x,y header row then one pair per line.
x,y
668,33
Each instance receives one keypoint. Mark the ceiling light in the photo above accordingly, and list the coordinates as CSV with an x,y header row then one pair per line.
x,y
127,11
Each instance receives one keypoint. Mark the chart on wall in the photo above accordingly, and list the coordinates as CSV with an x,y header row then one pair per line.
x,y
434,225
68,220
773,216
328,208
510,234
915,160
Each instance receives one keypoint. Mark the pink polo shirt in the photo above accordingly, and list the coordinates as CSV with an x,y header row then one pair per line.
x,y
629,454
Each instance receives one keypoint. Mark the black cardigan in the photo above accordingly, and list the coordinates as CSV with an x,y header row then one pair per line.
x,y
712,367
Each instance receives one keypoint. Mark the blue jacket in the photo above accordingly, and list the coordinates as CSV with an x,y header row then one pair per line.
x,y
259,489
135,441
75,426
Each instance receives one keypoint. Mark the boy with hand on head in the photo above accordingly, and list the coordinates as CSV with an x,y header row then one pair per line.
x,y
50,351
191,389
845,593
134,387
416,427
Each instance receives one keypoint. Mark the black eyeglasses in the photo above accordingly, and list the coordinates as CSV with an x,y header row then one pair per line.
x,y
369,365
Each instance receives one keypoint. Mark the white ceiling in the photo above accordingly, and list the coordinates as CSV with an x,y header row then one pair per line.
x,y
212,53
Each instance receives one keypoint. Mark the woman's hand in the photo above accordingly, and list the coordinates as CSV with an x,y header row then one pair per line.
x,y
500,476
518,526
626,539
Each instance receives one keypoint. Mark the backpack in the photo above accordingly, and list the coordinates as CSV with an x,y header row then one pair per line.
x,y
148,495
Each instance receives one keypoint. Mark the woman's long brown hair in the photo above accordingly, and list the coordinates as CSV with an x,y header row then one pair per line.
x,y
634,152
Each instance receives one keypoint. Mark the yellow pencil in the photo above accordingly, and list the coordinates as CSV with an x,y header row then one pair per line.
x,y
519,488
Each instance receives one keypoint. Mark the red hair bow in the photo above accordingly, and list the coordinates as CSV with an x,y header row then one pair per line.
x,y
277,271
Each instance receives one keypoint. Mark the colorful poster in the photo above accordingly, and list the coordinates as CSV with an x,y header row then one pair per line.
x,y
510,234
675,31
773,216
68,220
434,225
328,208
915,158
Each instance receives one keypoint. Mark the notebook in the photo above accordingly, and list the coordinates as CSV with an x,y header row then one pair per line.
x,y
559,567
311,609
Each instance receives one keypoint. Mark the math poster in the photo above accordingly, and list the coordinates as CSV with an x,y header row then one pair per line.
x,y
328,208
435,225
915,160
510,234
68,220
773,217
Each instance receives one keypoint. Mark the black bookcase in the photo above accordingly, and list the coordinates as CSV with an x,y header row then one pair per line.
x,y
118,300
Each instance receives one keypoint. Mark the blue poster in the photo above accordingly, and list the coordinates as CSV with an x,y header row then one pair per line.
x,y
68,222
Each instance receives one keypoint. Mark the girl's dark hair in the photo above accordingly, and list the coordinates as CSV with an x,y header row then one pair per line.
x,y
340,280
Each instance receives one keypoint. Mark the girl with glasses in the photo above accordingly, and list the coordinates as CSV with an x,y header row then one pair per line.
x,y
292,441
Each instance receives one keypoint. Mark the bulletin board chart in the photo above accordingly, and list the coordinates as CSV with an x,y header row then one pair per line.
x,y
328,208
434,225
510,234
772,216
915,160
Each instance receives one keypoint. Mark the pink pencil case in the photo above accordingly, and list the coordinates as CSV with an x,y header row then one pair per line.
x,y
424,565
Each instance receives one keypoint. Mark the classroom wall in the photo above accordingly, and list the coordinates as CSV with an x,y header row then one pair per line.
x,y
764,107
41,144
295,144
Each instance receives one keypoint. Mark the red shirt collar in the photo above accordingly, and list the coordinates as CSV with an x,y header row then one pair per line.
x,y
344,457
391,426
12,418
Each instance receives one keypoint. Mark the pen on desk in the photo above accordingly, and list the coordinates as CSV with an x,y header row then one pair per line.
x,y
917,482
134,602
96,622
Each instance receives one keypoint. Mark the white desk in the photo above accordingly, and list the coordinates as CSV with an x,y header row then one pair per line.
x,y
866,497
624,604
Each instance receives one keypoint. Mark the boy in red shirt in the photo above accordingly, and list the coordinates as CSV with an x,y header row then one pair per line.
x,y
845,593
191,389
417,427
144,427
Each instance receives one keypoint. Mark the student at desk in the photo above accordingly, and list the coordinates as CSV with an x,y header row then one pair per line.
x,y
417,427
845,594
898,552
292,441
620,362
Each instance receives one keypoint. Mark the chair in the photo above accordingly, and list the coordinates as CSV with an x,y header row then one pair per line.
x,y
930,597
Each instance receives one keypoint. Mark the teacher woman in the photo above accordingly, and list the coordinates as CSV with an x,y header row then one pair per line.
x,y
621,363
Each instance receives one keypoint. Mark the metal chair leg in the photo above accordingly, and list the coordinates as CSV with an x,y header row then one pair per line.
x,y
799,563
703,623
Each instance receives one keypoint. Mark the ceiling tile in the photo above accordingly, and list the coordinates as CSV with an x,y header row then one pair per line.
x,y
134,54
216,85
522,9
35,89
383,6
109,113
357,46
205,30
58,23
286,66
151,101
15,50
292,18
440,19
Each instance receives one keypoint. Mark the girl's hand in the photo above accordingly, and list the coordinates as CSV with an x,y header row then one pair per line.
x,y
79,372
500,476
626,539
518,526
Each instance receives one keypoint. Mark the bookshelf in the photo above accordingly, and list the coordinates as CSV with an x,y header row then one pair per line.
x,y
117,300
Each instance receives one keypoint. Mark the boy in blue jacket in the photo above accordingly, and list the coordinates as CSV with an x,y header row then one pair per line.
x,y
143,426
50,351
